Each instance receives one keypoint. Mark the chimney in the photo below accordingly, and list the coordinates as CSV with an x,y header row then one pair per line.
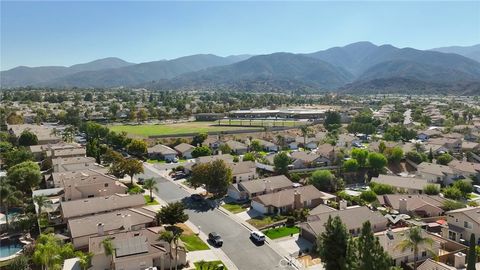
x,y
402,206
459,260
342,205
268,187
100,229
297,200
127,223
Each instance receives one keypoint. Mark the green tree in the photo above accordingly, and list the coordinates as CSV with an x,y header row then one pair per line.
x,y
215,175
444,159
465,186
27,138
413,239
25,176
201,151
248,157
281,162
305,131
172,214
430,155
452,193
332,120
368,196
132,167
199,139
416,157
449,205
332,245
88,97
371,255
431,189
16,156
350,165
377,162
395,154
109,249
9,197
84,259
151,185
142,115
381,189
322,179
360,155
137,147
19,263
255,146
472,255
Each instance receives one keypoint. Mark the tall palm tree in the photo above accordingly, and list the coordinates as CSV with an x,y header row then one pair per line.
x,y
84,259
108,249
176,235
414,239
151,185
305,131
168,237
10,197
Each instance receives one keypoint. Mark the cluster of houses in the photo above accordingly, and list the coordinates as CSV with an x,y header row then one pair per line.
x,y
86,205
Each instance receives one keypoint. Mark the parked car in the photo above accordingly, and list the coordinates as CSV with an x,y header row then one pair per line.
x,y
140,180
215,239
196,197
257,236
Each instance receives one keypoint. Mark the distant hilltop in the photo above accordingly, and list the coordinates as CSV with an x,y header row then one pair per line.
x,y
358,68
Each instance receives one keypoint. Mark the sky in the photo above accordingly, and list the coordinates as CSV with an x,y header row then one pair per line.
x,y
66,33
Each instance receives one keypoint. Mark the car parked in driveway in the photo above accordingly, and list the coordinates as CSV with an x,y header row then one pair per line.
x,y
257,236
215,239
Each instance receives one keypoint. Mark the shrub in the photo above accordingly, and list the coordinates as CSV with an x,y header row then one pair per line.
x,y
431,189
381,189
452,193
368,196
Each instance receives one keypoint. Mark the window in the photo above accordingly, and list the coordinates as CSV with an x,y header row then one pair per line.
x,y
467,224
106,185
424,254
91,196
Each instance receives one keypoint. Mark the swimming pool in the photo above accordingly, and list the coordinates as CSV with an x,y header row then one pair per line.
x,y
9,247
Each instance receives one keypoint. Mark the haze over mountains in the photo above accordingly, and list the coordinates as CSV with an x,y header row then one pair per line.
x,y
358,67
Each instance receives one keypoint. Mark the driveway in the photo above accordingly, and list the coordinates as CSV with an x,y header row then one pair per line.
x,y
294,244
249,214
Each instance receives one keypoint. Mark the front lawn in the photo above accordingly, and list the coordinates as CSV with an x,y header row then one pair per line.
x,y
193,242
262,221
148,202
275,233
234,207
210,265
134,189
156,161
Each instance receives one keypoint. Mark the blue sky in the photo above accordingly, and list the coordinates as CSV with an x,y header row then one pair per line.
x,y
66,33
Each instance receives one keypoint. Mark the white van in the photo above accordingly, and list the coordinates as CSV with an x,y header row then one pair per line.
x,y
257,236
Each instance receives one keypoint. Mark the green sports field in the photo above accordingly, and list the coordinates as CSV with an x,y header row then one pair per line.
x,y
172,129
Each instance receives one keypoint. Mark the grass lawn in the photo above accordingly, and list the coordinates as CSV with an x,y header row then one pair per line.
x,y
259,222
193,242
156,161
210,265
234,208
472,196
172,129
148,202
281,232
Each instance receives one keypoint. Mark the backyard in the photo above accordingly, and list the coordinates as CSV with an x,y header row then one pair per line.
x,y
173,129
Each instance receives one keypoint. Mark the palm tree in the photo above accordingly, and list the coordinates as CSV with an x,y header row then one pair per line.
x,y
176,235
41,201
151,185
413,240
305,131
108,249
68,134
84,259
281,140
168,237
10,197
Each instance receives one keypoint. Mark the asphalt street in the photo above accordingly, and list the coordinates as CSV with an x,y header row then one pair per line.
x,y
237,245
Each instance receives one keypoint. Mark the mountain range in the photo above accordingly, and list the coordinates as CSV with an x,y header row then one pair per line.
x,y
357,67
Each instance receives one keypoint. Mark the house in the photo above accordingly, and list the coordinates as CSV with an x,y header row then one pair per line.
x,y
83,228
302,160
45,134
391,238
462,223
268,146
327,151
85,184
346,140
74,164
227,158
435,173
429,133
63,150
139,249
465,169
435,148
96,205
161,151
185,150
458,263
470,146
410,185
243,171
293,145
248,189
309,143
287,200
237,147
213,142
452,144
414,205
353,218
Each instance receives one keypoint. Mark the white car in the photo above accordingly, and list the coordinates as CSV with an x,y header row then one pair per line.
x,y
257,236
